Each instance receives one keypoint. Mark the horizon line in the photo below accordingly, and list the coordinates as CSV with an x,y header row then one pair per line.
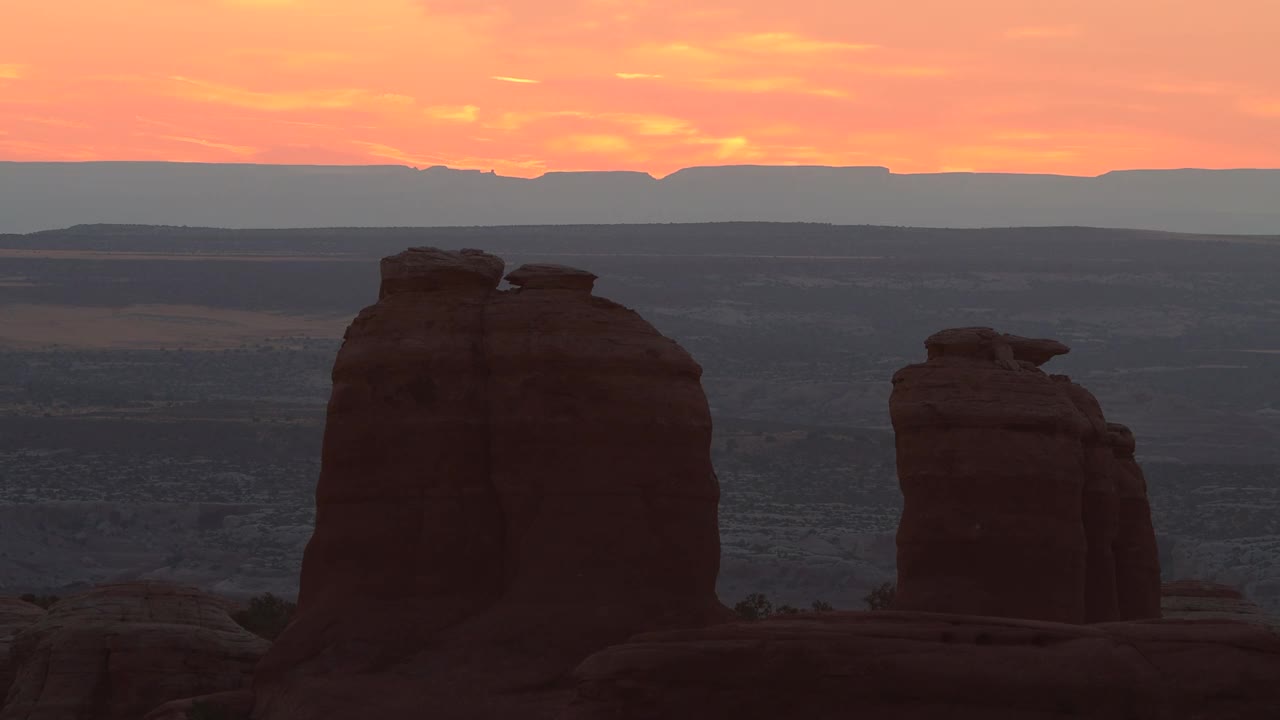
x,y
658,178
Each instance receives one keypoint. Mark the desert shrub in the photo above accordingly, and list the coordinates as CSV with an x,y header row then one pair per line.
x,y
881,598
757,606
266,616
44,601
754,607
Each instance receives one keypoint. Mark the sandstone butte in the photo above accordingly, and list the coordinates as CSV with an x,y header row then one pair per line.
x,y
516,518
1020,500
118,651
511,480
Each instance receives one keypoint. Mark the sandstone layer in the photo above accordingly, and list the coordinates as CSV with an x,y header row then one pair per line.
x,y
119,651
1193,599
1012,489
511,480
923,666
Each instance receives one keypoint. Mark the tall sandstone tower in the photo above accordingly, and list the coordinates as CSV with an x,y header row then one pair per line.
x,y
1020,499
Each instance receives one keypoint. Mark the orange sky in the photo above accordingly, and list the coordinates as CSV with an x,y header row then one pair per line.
x,y
527,86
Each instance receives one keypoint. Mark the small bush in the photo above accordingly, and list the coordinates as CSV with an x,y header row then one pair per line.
x,y
757,606
881,598
267,616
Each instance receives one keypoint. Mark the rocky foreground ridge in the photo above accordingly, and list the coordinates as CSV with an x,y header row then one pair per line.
x,y
517,518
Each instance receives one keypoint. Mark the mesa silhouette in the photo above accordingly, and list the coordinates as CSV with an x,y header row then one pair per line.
x,y
43,196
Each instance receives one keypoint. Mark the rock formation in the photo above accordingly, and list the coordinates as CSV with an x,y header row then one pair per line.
x,y
1199,600
15,616
925,666
1012,486
510,481
118,651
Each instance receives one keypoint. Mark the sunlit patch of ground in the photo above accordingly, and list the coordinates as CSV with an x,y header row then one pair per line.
x,y
41,254
34,327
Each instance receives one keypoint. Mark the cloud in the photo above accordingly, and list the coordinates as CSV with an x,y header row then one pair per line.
x,y
637,76
735,147
1262,107
263,3
654,125
293,59
11,71
55,122
393,153
1043,31
1179,88
793,85
456,113
590,144
201,91
790,43
234,149
518,80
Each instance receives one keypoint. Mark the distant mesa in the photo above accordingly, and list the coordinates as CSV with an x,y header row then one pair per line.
x,y
44,196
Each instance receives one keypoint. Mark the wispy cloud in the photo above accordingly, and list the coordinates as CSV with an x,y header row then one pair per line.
x,y
202,91
388,152
790,43
263,3
11,71
1043,31
795,85
590,144
234,149
1263,107
1186,88
637,76
517,80
455,113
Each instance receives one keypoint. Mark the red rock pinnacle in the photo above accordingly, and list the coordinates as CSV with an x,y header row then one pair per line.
x,y
1012,489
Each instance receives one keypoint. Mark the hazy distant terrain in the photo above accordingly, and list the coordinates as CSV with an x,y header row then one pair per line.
x,y
162,390
42,196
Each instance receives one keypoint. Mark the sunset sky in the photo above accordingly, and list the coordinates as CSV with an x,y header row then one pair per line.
x,y
527,86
